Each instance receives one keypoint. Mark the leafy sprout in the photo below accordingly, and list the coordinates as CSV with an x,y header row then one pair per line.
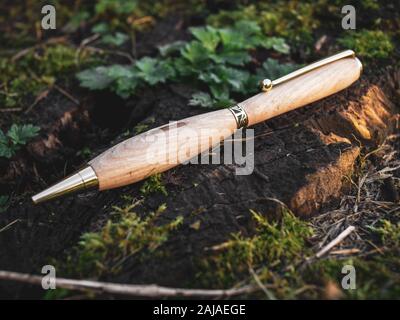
x,y
17,136
213,59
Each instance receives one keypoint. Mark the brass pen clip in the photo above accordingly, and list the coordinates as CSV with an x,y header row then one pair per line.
x,y
267,84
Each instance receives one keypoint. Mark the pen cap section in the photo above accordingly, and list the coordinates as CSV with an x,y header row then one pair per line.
x,y
162,148
303,90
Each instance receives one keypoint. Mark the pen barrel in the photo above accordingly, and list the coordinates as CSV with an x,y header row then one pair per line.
x,y
165,147
161,148
302,90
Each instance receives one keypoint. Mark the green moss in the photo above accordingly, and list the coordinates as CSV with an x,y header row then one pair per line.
x,y
275,246
23,79
368,44
153,184
389,232
278,252
376,277
293,20
125,235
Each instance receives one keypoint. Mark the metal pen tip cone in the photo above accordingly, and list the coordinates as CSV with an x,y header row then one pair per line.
x,y
82,179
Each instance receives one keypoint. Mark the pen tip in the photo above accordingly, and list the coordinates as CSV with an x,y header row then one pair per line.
x,y
82,179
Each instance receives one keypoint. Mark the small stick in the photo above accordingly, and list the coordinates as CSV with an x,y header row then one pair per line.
x,y
66,94
335,241
39,98
11,110
345,251
269,294
9,225
151,290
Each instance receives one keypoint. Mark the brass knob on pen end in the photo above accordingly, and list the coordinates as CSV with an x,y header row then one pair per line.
x,y
83,179
266,85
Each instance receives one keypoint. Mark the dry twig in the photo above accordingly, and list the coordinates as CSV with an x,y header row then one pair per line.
x,y
150,291
335,241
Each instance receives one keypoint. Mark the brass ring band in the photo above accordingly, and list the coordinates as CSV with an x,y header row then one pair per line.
x,y
241,117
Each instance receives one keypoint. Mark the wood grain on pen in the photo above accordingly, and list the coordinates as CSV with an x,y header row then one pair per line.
x,y
165,147
162,148
302,90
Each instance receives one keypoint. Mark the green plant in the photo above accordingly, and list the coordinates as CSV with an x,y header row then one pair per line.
x,y
215,59
275,245
125,79
17,136
115,6
125,235
22,80
153,184
389,232
108,37
368,44
293,20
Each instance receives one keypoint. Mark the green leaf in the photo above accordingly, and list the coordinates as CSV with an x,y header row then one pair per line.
x,y
272,69
236,78
171,48
94,79
195,52
183,68
122,79
244,35
115,39
219,92
76,20
126,87
223,76
6,148
276,43
3,138
101,28
247,27
20,135
223,103
210,77
16,136
118,71
237,58
6,151
154,71
201,99
234,40
125,80
208,36
116,6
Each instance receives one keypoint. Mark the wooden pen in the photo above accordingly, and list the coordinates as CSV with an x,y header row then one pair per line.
x,y
167,146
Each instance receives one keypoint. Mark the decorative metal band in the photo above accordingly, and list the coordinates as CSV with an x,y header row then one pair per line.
x,y
242,120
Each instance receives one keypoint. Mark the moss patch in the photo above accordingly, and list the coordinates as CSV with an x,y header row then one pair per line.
x,y
276,247
154,184
368,44
22,79
125,235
